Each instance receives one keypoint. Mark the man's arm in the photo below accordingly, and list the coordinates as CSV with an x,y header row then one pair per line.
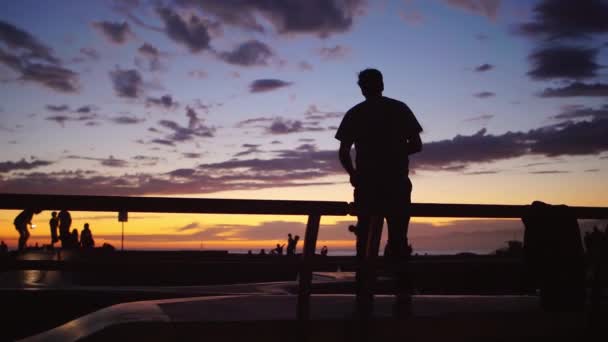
x,y
346,161
414,144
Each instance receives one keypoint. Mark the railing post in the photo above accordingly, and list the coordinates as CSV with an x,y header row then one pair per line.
x,y
305,275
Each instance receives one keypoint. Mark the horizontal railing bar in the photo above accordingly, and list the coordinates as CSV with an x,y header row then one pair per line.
x,y
266,207
494,211
171,205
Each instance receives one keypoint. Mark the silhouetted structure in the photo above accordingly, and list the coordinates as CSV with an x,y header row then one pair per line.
x,y
292,244
21,222
384,132
553,253
86,237
54,224
65,222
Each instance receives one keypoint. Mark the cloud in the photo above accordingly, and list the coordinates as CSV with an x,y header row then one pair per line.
x,y
20,41
114,32
148,50
283,126
200,74
90,53
58,108
321,18
109,162
126,120
484,94
191,226
555,19
484,67
248,149
195,128
279,125
151,58
563,62
305,66
483,117
84,109
127,83
8,166
306,165
336,52
264,85
566,138
570,138
51,76
113,162
191,33
462,150
249,53
146,160
556,25
547,172
581,112
577,89
251,121
191,155
165,142
487,8
314,113
165,101
61,119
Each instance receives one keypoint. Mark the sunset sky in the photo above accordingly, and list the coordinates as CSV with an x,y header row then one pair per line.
x,y
242,98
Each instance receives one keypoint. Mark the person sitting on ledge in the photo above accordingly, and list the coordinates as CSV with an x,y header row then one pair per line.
x,y
86,238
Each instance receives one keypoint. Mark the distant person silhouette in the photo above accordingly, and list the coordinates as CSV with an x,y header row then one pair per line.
x,y
73,239
279,249
384,133
86,238
65,222
324,251
54,224
21,222
292,244
3,247
262,251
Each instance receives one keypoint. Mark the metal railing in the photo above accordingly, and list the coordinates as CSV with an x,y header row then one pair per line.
x,y
313,209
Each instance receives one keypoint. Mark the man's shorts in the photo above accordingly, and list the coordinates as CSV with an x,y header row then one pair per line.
x,y
383,198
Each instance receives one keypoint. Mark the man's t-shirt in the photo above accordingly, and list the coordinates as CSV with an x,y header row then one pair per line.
x,y
379,128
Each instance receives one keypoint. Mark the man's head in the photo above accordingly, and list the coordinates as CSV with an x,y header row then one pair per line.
x,y
370,82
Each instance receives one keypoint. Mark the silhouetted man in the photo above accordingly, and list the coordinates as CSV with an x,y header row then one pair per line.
x,y
54,224
21,222
292,243
65,222
385,132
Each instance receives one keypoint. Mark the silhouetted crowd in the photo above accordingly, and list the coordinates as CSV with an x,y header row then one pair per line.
x,y
60,224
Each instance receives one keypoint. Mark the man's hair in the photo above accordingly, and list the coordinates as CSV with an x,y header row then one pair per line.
x,y
371,79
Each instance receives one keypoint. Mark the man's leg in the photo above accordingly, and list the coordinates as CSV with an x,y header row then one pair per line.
x,y
23,236
368,243
398,261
